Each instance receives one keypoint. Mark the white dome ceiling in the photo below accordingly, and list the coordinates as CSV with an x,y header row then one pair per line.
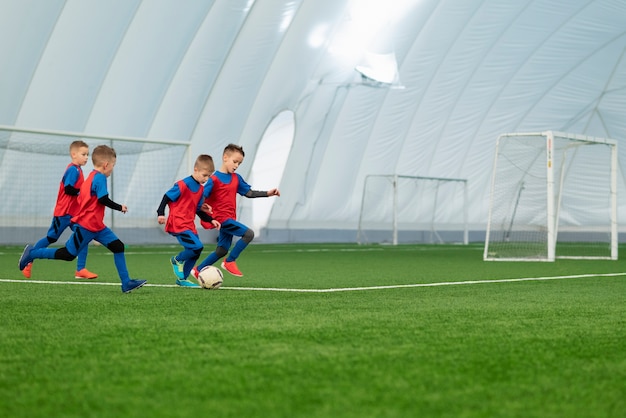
x,y
213,72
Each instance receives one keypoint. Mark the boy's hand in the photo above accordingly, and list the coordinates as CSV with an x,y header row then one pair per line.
x,y
273,192
161,220
206,208
124,209
216,224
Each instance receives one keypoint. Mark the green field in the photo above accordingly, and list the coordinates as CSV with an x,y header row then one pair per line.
x,y
316,331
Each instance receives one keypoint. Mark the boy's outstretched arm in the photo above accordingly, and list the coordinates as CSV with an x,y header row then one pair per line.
x,y
259,193
106,201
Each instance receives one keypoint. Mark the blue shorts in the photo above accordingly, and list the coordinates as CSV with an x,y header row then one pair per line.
x,y
188,240
58,225
229,229
82,237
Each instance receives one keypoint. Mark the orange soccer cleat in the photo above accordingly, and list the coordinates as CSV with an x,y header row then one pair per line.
x,y
231,267
28,270
85,274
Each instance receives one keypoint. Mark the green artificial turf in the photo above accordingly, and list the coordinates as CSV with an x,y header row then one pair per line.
x,y
316,331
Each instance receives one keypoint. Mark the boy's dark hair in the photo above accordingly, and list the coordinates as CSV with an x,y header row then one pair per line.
x,y
78,144
205,161
234,148
102,153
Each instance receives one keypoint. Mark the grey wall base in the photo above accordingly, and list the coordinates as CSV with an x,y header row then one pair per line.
x,y
156,235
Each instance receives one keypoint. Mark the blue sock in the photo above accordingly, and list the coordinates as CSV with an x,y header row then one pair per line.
x,y
185,255
237,249
82,259
120,265
42,243
47,253
208,261
188,266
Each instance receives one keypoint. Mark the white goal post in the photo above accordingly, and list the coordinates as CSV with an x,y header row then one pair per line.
x,y
32,162
553,195
415,209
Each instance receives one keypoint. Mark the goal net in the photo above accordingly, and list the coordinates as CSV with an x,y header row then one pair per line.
x,y
412,209
32,163
553,195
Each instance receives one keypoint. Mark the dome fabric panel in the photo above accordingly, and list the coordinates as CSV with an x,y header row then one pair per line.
x,y
213,72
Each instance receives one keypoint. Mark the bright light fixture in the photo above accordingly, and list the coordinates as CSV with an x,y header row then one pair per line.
x,y
366,39
381,68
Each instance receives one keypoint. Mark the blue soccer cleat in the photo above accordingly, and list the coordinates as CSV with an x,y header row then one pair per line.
x,y
186,283
25,258
178,268
131,285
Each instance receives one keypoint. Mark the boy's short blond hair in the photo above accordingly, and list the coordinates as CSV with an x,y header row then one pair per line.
x,y
230,148
205,162
102,154
78,144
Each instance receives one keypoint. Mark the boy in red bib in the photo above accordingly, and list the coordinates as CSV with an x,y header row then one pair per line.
x,y
67,207
89,222
221,192
185,200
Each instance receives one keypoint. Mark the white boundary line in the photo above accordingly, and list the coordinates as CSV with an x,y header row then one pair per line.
x,y
86,282
332,290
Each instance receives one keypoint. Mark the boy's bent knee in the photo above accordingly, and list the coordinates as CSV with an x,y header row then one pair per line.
x,y
116,246
248,236
63,254
221,252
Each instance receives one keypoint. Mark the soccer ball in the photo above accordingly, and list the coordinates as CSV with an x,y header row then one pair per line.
x,y
210,277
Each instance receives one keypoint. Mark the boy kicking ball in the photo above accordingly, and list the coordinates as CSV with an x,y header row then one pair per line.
x,y
184,200
221,190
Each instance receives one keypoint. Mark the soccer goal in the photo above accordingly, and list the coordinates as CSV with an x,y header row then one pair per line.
x,y
413,209
553,195
33,161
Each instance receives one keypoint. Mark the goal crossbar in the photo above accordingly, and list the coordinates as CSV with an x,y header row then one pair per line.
x,y
396,202
551,192
28,204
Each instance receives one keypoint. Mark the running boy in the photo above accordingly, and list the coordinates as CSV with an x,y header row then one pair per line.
x,y
185,201
221,191
89,225
66,207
